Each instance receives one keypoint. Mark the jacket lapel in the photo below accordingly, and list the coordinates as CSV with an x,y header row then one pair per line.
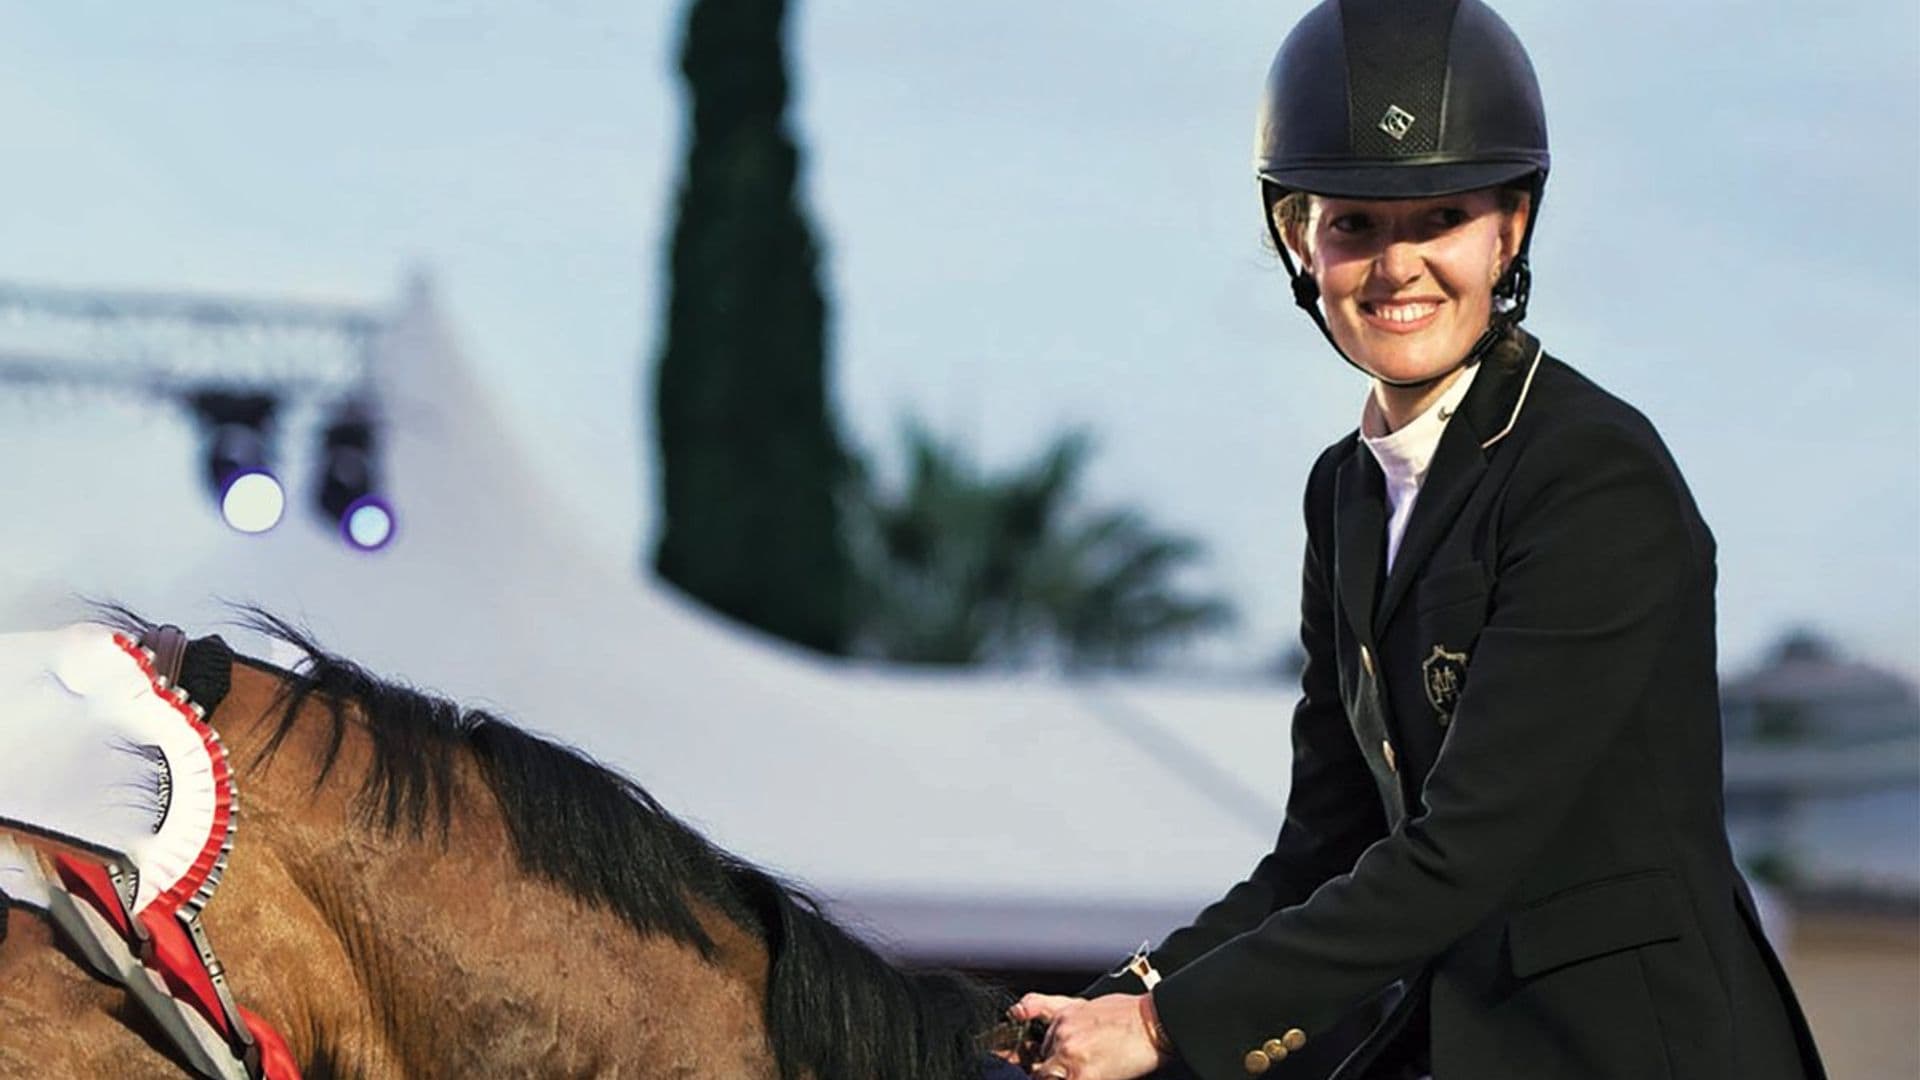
x,y
1360,537
1457,466
1485,416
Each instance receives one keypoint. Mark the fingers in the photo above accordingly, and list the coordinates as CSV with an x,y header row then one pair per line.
x,y
1040,1007
1102,1039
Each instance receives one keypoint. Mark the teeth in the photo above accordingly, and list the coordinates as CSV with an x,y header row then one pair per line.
x,y
1404,313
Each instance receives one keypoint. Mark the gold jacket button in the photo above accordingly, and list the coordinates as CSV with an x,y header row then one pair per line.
x,y
1275,1049
1366,660
1386,748
1257,1062
1294,1038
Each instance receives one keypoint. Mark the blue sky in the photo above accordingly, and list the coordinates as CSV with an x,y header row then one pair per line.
x,y
1041,215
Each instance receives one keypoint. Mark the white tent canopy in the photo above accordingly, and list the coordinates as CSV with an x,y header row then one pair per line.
x,y
984,819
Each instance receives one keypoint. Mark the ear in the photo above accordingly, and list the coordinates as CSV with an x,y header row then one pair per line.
x,y
1294,235
1513,233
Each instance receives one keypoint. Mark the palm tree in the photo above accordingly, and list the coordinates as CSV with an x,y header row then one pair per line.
x,y
962,567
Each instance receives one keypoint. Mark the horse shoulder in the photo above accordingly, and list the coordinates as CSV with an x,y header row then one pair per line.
x,y
56,1019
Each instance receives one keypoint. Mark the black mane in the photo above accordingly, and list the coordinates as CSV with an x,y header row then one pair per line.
x,y
836,1010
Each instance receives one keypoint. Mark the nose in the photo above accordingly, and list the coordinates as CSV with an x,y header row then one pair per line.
x,y
1400,263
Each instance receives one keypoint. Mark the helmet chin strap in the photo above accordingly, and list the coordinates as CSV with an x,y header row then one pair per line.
x,y
1514,286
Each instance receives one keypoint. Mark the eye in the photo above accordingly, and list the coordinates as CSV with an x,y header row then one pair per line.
x,y
1351,223
1451,217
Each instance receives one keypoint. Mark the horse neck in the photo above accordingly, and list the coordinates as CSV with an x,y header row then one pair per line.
x,y
56,1019
396,951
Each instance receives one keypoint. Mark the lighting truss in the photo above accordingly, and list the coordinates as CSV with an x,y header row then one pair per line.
x,y
171,344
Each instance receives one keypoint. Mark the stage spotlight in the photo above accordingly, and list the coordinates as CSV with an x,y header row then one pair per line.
x,y
253,502
369,523
349,481
239,434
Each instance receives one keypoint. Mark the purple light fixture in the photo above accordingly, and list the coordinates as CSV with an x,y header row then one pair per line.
x,y
349,480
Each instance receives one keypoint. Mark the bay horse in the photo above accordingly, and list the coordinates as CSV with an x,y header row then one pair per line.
x,y
423,890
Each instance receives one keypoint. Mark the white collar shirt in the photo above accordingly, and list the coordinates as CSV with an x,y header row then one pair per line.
x,y
1404,455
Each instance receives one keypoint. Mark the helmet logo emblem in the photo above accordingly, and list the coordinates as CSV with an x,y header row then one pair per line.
x,y
1397,122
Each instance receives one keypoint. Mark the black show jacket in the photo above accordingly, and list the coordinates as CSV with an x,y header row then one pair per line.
x,y
1506,789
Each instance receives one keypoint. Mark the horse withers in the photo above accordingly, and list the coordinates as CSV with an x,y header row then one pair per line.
x,y
417,889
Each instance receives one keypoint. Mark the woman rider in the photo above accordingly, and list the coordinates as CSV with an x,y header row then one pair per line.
x,y
1504,829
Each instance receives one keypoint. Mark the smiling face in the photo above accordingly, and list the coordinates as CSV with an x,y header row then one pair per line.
x,y
1407,284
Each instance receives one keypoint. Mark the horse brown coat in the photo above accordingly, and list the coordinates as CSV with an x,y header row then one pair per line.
x,y
386,955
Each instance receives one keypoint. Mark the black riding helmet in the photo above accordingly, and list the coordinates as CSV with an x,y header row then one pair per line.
x,y
1403,99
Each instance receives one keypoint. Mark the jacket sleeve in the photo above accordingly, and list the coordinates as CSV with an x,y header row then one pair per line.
x,y
1333,809
1597,547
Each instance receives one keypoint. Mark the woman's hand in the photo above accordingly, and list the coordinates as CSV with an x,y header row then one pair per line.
x,y
1102,1039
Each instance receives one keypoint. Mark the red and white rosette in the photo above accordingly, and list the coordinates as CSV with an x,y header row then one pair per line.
x,y
120,800
97,753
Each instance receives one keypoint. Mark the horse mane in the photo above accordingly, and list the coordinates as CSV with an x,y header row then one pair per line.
x,y
835,1009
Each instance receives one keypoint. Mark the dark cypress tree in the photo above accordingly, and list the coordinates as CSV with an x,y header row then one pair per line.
x,y
750,463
